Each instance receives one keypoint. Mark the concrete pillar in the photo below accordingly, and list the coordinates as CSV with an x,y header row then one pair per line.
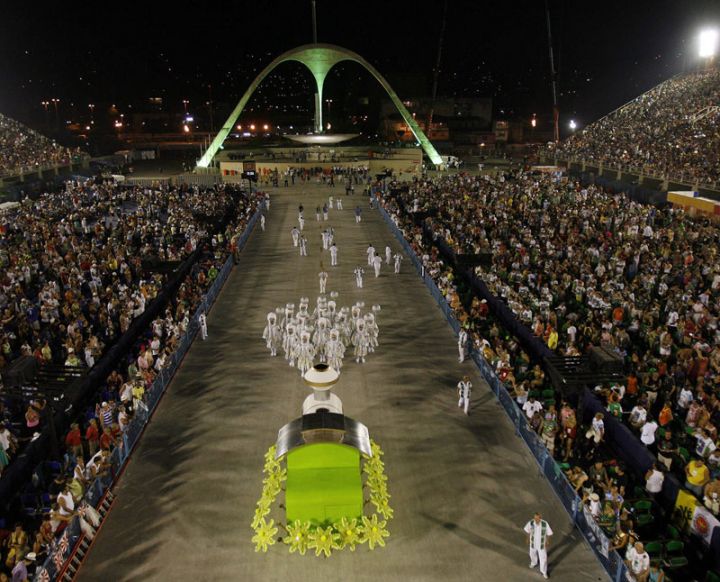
x,y
318,113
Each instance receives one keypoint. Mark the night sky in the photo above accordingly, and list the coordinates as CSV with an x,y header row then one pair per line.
x,y
607,52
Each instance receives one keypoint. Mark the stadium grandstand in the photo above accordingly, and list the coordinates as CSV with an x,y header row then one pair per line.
x,y
670,132
24,150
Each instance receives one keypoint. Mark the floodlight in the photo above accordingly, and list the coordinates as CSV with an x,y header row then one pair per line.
x,y
573,124
707,43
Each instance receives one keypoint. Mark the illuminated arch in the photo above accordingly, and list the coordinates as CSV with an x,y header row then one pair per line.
x,y
319,58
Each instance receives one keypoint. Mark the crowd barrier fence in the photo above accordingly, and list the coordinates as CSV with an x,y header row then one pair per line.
x,y
64,546
610,560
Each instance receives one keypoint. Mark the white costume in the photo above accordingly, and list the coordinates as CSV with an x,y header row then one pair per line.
x,y
338,204
388,255
202,320
464,389
538,533
398,260
335,350
360,341
301,222
359,277
295,235
320,337
462,345
303,246
372,331
323,276
272,334
305,353
262,222
377,263
343,326
333,255
370,254
290,343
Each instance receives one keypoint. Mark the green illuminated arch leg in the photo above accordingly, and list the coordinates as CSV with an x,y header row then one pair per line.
x,y
319,59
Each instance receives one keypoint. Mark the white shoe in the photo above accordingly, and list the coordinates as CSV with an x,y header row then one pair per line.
x,y
532,565
545,576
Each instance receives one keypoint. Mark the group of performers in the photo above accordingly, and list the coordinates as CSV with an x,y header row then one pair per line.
x,y
323,333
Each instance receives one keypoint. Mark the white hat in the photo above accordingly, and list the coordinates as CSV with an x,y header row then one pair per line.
x,y
594,497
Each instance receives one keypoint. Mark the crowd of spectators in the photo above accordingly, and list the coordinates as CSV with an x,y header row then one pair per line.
x,y
672,130
580,268
25,150
72,282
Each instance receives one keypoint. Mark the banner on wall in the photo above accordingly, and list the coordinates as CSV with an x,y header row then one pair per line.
x,y
685,505
703,523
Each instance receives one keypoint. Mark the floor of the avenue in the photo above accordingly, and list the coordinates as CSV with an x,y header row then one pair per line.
x,y
462,487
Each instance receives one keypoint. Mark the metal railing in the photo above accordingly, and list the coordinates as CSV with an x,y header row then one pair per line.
x,y
63,546
610,560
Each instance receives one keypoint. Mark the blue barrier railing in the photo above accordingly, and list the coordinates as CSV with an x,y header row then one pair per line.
x,y
64,545
610,560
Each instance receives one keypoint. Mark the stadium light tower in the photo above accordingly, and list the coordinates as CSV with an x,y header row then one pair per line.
x,y
708,43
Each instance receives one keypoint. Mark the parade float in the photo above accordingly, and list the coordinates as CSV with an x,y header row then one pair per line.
x,y
324,486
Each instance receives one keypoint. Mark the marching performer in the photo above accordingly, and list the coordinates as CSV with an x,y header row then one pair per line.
x,y
464,388
323,276
359,271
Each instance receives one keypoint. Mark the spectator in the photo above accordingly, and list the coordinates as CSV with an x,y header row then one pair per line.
x,y
654,479
638,562
697,476
73,440
92,436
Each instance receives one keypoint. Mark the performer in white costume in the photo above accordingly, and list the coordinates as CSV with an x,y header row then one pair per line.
x,y
290,341
370,254
295,233
462,345
360,342
305,353
335,350
398,260
272,334
464,388
323,276
377,263
359,271
321,337
202,320
372,331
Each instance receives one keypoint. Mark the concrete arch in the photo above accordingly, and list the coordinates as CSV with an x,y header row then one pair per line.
x,y
319,59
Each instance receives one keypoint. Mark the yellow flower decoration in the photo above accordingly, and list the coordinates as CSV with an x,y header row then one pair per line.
x,y
297,538
373,531
260,512
324,540
383,508
270,455
349,533
264,535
